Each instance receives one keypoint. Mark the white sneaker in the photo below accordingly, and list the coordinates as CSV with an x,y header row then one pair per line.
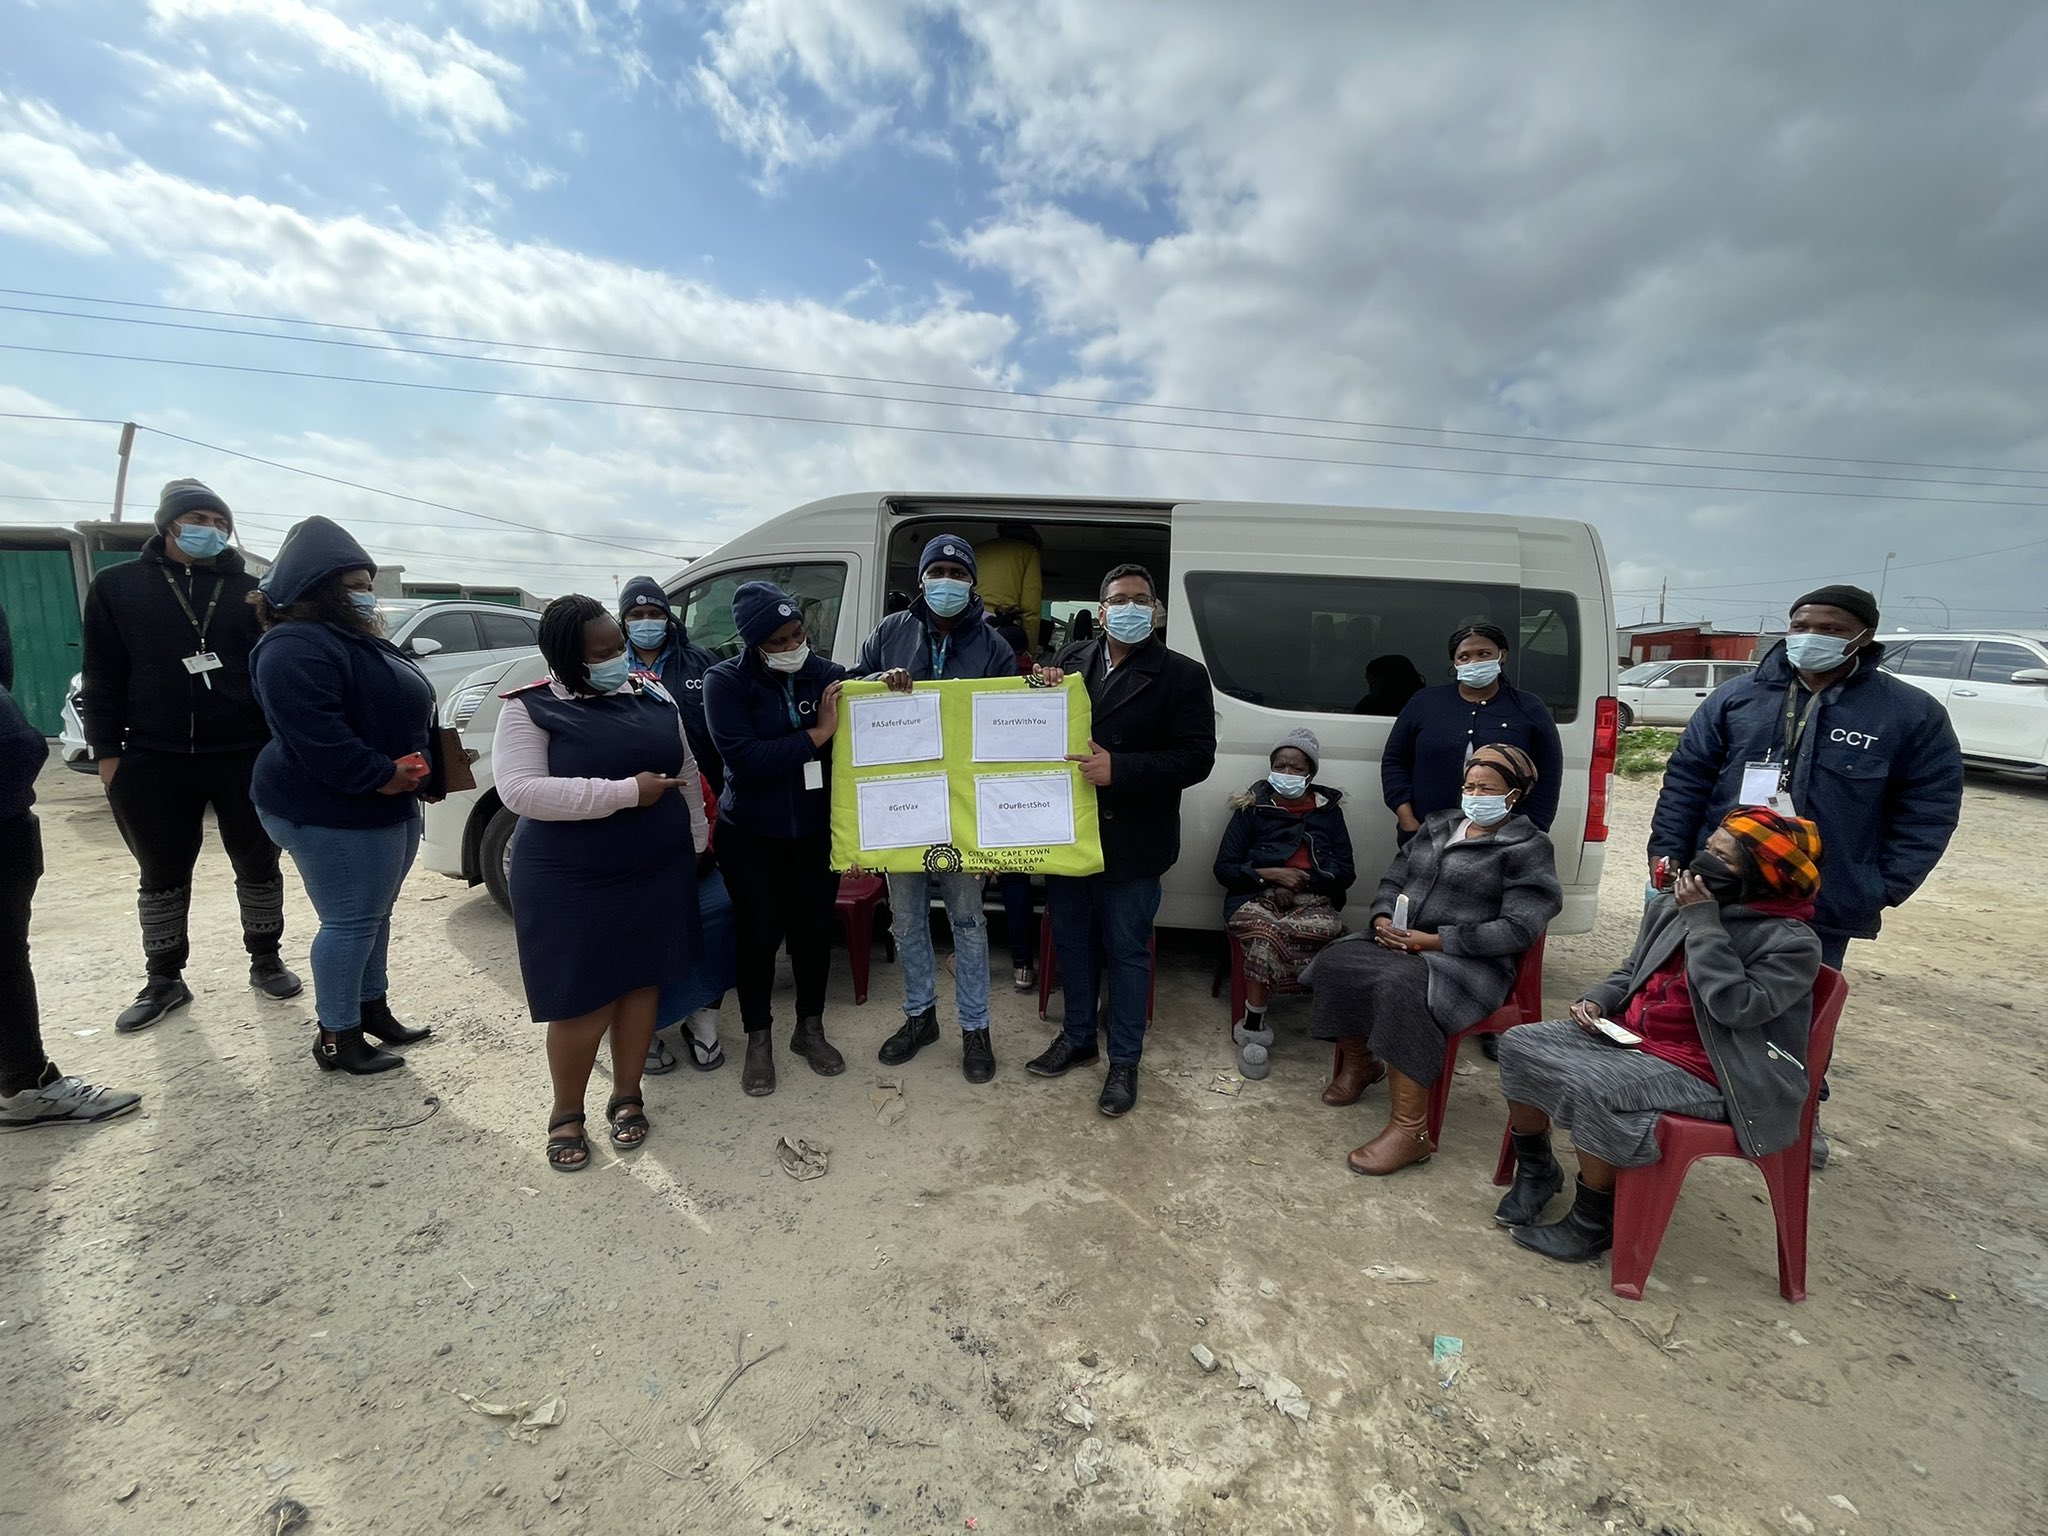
x,y
67,1100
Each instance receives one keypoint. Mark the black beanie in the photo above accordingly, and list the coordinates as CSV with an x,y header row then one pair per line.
x,y
643,589
1849,599
182,496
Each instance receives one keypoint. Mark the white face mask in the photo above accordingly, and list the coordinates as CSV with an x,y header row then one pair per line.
x,y
1487,810
1289,786
787,661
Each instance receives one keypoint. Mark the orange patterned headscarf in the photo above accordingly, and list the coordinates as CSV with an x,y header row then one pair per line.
x,y
1786,850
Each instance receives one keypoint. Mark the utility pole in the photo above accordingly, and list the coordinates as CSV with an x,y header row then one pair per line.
x,y
121,474
1886,575
1661,591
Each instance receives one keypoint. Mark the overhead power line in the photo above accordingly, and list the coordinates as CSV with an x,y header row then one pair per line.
x,y
1009,410
966,432
1015,394
1793,581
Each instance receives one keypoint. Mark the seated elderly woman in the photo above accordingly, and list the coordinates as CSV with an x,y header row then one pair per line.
x,y
1285,865
1716,1002
1476,886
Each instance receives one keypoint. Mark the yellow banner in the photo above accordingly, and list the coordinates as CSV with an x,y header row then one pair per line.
x,y
964,775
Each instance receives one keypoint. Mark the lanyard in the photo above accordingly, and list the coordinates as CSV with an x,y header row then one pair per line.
x,y
939,645
1794,729
796,721
199,626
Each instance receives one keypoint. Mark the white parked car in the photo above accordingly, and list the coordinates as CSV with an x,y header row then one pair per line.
x,y
71,745
469,834
1995,684
450,640
1667,692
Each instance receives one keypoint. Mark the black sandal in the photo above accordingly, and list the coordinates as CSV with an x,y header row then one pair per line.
x,y
561,1149
624,1126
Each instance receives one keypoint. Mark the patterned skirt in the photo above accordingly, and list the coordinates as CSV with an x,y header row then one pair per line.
x,y
1280,933
1607,1097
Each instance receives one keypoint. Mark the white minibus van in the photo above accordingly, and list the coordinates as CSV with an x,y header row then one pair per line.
x,y
1285,605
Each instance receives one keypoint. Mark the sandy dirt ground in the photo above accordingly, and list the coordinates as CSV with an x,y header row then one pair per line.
x,y
248,1292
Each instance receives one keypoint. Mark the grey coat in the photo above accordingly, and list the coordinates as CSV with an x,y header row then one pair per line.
x,y
1751,975
1487,898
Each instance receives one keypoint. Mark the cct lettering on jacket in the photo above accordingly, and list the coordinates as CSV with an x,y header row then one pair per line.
x,y
1864,739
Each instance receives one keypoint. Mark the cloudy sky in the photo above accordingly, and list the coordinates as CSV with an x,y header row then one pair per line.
x,y
1463,257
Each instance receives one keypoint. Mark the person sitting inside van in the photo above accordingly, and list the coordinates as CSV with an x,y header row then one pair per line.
x,y
1478,886
1718,994
1285,865
1390,682
1013,579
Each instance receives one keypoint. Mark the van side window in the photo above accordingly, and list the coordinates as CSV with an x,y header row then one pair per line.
x,y
818,588
1357,645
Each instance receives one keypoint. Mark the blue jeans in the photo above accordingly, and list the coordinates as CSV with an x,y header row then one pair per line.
x,y
352,875
910,915
1116,916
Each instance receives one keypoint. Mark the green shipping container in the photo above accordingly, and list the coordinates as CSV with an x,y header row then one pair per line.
x,y
39,590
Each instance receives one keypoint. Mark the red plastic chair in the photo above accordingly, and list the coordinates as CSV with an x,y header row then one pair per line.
x,y
1524,1006
859,896
1645,1197
1049,967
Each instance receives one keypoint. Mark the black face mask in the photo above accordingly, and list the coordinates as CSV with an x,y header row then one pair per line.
x,y
1725,884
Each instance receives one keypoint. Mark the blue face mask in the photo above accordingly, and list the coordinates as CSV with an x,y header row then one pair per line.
x,y
947,596
648,634
1479,674
1288,786
201,541
1816,653
1487,810
610,676
365,603
1129,623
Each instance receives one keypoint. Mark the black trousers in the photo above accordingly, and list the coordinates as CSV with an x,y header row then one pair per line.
x,y
21,1038
160,801
783,891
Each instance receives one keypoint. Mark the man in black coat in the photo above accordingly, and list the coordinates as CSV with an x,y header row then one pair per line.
x,y
32,1090
175,728
1154,735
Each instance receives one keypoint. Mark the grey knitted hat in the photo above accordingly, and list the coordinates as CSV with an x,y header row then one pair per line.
x,y
1303,740
182,496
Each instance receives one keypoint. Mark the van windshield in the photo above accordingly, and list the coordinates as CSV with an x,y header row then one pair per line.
x,y
1364,645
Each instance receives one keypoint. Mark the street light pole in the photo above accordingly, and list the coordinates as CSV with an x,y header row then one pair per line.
x,y
1889,556
1945,621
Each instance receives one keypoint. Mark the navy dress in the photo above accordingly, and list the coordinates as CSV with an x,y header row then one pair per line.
x,y
572,881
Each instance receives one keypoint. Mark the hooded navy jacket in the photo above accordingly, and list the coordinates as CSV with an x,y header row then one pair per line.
x,y
758,721
343,705
680,669
912,640
1264,835
1879,770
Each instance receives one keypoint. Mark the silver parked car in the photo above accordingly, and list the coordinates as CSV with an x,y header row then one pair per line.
x,y
1667,692
1995,684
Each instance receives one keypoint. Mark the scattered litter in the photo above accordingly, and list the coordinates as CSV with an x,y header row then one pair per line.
x,y
525,1191
973,1524
84,1034
1793,1334
127,1493
1466,1069
437,896
1284,1395
1841,1503
283,1517
528,1419
1228,1084
1090,1359
1795,1520
1447,1355
1245,1379
1205,1358
1201,1322
1268,1288
1077,1413
277,1471
1087,1460
1394,1274
801,1159
888,1100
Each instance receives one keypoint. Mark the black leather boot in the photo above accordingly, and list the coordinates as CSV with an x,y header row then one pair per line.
x,y
1538,1178
809,1042
918,1031
347,1051
757,1076
1586,1232
380,1023
1062,1056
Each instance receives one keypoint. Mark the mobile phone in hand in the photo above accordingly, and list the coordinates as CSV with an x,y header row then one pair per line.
x,y
413,762
1616,1034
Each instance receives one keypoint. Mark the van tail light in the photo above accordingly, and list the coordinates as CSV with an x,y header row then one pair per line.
x,y
1606,747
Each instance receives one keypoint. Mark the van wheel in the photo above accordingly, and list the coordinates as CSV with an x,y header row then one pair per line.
x,y
1625,715
494,854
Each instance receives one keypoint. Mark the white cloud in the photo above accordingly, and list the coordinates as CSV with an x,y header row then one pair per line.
x,y
448,80
534,176
244,114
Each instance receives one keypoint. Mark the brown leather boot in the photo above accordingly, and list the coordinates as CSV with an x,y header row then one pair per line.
x,y
1406,1138
1354,1070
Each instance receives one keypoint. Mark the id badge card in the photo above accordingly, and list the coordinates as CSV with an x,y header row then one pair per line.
x,y
814,774
205,661
1760,783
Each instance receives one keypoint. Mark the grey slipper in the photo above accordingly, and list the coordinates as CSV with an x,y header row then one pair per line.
x,y
1252,1050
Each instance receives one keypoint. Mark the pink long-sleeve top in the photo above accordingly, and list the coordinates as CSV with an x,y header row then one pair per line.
x,y
519,765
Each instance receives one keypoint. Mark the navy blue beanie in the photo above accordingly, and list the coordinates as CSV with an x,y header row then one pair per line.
x,y
643,589
760,608
182,496
949,546
313,551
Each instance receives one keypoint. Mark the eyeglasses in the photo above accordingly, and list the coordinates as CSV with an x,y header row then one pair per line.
x,y
1123,601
